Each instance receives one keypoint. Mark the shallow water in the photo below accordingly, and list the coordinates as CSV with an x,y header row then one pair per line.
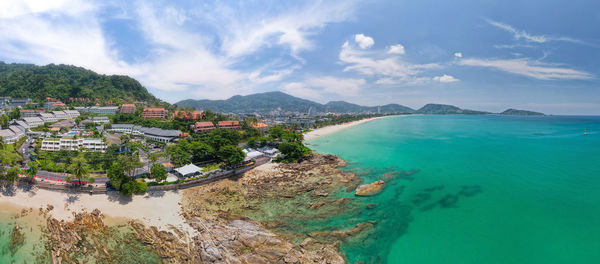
x,y
475,189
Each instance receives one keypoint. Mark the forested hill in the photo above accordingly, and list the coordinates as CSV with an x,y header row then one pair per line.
x,y
269,101
65,82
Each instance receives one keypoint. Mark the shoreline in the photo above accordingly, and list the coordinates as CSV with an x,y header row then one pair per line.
x,y
336,128
160,209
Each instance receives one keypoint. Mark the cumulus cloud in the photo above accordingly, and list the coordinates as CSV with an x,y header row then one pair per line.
x,y
396,49
531,68
381,64
458,54
363,41
178,56
445,79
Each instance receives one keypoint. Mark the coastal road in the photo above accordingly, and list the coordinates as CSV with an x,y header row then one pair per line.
x,y
52,175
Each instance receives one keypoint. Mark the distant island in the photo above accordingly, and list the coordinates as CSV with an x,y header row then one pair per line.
x,y
442,109
516,112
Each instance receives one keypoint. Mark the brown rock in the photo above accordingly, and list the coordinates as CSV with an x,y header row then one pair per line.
x,y
369,189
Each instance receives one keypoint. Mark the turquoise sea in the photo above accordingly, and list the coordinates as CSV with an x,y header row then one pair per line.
x,y
475,189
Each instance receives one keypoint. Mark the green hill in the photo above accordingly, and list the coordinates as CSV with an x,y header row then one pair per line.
x,y
65,81
517,112
270,101
442,109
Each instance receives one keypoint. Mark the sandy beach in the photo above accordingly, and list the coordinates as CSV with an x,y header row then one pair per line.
x,y
160,209
335,128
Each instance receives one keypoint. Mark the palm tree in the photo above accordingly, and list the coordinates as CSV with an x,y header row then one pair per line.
x,y
79,169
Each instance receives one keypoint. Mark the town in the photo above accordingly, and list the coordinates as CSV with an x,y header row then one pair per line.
x,y
95,147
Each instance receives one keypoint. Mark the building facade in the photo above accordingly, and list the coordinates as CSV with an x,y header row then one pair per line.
x,y
233,125
127,109
158,113
74,144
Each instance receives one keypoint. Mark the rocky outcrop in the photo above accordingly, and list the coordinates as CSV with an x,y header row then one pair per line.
x,y
238,241
370,189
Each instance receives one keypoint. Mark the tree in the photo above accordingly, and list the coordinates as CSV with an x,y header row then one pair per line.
x,y
178,155
15,114
4,121
231,154
79,169
158,172
33,168
12,174
293,151
201,151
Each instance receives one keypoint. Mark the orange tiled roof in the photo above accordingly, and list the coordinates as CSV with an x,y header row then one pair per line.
x,y
228,123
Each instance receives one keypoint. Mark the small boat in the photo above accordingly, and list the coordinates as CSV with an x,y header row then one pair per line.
x,y
585,132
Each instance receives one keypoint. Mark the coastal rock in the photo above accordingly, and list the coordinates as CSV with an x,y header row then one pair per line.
x,y
370,189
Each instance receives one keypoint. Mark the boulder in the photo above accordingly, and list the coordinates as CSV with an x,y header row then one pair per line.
x,y
369,189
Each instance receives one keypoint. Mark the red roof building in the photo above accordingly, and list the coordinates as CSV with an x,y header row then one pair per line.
x,y
158,113
127,108
229,125
195,115
259,125
201,127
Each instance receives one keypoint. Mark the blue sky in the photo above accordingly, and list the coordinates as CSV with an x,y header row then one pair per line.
x,y
484,55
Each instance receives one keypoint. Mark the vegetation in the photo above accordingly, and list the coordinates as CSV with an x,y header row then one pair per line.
x,y
79,170
293,151
121,175
65,82
158,172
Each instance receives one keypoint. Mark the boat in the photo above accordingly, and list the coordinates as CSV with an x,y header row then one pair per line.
x,y
585,132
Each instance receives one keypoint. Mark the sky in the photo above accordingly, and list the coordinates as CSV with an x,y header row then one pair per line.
x,y
541,55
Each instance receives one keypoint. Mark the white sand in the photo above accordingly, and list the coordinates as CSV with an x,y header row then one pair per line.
x,y
335,128
159,209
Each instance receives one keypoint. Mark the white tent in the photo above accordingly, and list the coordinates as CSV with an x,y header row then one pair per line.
x,y
189,170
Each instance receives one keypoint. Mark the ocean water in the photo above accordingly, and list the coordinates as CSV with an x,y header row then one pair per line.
x,y
474,189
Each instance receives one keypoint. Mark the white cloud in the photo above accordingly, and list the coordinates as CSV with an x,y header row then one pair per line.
x,y
531,68
522,35
445,79
315,87
364,42
396,49
380,64
458,54
179,57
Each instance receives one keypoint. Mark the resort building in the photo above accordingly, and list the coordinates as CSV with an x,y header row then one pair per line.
x,y
201,127
187,115
33,121
260,126
97,120
158,113
59,115
73,144
152,133
127,109
31,113
72,113
48,117
12,134
188,171
232,125
99,110
19,102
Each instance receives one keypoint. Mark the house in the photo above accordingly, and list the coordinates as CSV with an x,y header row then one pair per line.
x,y
127,109
33,121
73,144
158,113
260,126
201,127
187,115
233,125
252,154
22,124
189,170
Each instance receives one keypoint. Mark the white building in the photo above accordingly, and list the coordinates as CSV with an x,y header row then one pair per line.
x,y
73,144
33,121
152,133
99,110
189,170
48,117
60,115
72,113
